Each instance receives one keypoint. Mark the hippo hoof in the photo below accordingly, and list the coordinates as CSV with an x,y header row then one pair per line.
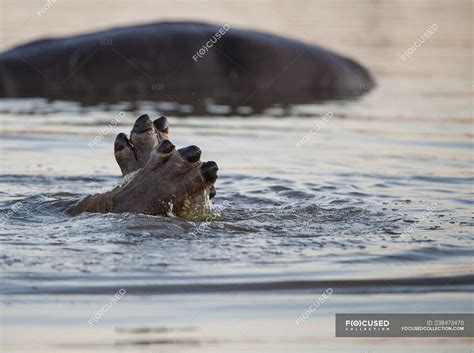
x,y
165,179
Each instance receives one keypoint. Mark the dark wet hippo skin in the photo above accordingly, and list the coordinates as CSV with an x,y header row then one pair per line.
x,y
159,180
159,62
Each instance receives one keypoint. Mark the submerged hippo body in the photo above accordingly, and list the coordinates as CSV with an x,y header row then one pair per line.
x,y
180,62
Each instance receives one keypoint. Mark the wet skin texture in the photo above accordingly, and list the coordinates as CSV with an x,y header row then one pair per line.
x,y
158,179
159,62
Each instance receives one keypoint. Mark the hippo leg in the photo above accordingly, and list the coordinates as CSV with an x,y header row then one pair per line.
x,y
159,179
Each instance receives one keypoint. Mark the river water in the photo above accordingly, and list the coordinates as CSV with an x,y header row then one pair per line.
x,y
370,198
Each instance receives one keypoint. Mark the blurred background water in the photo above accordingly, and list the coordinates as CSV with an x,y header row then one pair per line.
x,y
377,204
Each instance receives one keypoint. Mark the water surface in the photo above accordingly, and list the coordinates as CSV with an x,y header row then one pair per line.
x,y
376,204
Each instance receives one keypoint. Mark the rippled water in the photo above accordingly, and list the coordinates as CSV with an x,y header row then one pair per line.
x,y
377,201
356,195
380,206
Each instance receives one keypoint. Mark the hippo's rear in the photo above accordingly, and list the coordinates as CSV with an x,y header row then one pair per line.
x,y
181,62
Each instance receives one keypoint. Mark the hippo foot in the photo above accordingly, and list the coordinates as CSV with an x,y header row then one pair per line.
x,y
158,179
